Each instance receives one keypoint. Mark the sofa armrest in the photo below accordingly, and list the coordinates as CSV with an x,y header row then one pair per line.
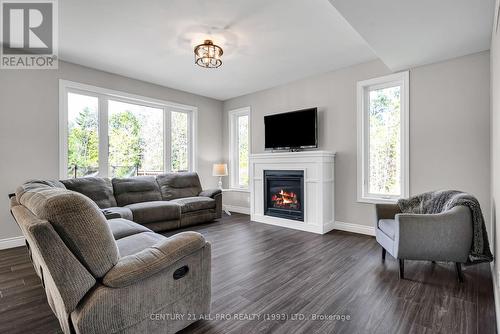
x,y
386,211
150,261
109,214
444,236
216,194
210,193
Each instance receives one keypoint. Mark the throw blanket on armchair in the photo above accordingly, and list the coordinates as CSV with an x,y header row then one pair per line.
x,y
439,201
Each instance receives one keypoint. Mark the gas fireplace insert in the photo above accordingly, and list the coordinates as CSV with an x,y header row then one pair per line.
x,y
284,194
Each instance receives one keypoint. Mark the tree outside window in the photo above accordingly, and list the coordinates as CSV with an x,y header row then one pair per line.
x,y
385,148
383,138
135,140
83,137
179,141
239,123
243,150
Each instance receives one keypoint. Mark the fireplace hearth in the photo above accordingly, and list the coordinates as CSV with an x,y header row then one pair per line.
x,y
284,194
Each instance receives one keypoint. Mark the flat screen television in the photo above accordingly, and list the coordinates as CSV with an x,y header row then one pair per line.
x,y
292,130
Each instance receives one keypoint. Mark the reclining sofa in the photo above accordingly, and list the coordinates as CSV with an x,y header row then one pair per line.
x,y
163,202
109,274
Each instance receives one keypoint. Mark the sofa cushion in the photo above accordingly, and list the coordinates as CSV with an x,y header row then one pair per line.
x,y
178,185
97,189
138,242
149,212
122,228
190,204
37,184
136,190
387,226
118,212
163,225
78,222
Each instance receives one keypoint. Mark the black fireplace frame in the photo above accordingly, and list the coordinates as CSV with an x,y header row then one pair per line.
x,y
284,175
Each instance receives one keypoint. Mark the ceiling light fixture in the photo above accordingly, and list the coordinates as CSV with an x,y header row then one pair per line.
x,y
208,55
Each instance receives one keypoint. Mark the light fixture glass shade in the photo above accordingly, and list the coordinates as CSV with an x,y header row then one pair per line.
x,y
219,170
208,55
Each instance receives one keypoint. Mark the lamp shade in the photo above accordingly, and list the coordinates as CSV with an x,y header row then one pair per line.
x,y
219,170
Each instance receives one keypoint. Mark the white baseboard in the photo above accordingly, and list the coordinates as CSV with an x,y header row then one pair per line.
x,y
354,228
238,209
494,275
11,242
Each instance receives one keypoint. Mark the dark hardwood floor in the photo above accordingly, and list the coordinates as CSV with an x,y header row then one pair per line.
x,y
265,271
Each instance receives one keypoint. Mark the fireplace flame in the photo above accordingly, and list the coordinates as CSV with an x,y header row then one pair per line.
x,y
285,199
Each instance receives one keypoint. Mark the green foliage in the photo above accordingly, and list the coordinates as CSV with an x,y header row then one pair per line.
x,y
179,141
83,144
125,144
135,142
243,150
152,137
384,159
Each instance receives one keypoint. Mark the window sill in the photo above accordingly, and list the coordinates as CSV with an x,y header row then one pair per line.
x,y
374,200
240,190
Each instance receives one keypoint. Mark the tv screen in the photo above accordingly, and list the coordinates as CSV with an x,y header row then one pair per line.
x,y
291,130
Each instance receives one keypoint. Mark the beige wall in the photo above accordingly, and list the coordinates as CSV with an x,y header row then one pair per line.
x,y
449,129
29,109
495,148
449,139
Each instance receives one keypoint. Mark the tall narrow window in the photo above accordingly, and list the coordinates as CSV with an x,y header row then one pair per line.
x,y
109,133
383,138
239,147
83,136
179,141
243,150
135,139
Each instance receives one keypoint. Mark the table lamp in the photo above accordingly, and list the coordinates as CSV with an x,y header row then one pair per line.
x,y
219,170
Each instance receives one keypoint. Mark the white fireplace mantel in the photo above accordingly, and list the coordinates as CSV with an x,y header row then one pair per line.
x,y
319,199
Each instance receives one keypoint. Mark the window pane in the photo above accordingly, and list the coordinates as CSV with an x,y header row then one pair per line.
x,y
83,135
243,150
385,142
180,141
135,139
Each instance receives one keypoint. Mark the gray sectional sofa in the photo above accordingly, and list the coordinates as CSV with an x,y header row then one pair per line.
x,y
161,203
108,274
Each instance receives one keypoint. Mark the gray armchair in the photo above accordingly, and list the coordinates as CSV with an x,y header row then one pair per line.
x,y
445,236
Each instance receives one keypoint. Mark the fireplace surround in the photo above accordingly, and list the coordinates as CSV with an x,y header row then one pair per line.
x,y
316,201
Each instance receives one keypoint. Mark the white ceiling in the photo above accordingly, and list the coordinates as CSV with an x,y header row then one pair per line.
x,y
266,43
408,33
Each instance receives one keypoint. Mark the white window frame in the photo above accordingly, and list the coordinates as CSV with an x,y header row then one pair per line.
x,y
233,146
363,88
104,95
